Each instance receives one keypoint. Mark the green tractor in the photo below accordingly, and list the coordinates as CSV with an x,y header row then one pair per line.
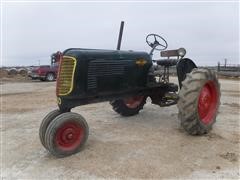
x,y
126,79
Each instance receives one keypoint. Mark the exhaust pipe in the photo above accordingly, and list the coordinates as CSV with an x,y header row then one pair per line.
x,y
120,36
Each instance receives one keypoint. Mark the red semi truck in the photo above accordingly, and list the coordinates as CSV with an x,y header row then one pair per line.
x,y
47,72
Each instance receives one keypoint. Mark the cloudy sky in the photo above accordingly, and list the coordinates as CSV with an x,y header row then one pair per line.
x,y
32,31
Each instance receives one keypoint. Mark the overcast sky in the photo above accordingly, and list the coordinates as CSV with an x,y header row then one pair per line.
x,y
33,31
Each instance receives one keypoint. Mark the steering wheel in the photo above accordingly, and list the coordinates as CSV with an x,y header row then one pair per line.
x,y
153,40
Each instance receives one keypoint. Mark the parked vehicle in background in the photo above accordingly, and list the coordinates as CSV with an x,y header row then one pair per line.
x,y
47,72
44,73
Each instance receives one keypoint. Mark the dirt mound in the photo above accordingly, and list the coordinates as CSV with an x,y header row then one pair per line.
x,y
12,72
13,75
3,73
23,72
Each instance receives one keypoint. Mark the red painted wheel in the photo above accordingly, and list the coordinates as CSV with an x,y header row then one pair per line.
x,y
133,102
69,136
207,102
66,134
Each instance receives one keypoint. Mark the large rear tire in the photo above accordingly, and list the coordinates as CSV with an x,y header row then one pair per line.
x,y
66,134
129,106
199,101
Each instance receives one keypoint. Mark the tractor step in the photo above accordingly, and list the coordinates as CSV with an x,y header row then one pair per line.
x,y
170,98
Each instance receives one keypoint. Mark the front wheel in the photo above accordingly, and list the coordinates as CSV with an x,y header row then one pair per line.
x,y
45,122
129,106
199,101
66,134
50,77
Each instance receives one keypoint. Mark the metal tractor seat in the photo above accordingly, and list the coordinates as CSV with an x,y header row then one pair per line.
x,y
179,53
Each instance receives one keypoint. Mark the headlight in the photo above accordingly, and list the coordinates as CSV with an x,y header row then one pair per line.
x,y
181,52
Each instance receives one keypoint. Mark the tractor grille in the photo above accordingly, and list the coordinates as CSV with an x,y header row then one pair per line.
x,y
66,75
103,68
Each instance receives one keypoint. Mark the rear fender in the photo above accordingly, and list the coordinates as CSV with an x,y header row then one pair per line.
x,y
184,66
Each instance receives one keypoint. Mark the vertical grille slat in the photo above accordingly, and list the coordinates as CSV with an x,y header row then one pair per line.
x,y
66,75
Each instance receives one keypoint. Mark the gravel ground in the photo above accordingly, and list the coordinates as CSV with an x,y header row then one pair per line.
x,y
149,145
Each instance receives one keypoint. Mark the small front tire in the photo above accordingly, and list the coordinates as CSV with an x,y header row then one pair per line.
x,y
45,122
66,134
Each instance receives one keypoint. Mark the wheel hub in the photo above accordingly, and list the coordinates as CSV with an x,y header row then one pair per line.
x,y
133,102
207,102
69,136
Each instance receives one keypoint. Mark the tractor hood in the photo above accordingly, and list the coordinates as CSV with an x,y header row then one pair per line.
x,y
91,72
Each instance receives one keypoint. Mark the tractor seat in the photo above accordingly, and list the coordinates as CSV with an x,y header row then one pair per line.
x,y
171,53
167,62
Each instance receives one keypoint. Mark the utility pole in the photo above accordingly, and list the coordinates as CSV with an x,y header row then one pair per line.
x,y
218,68
225,62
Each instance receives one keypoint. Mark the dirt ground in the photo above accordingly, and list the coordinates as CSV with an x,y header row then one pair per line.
x,y
149,145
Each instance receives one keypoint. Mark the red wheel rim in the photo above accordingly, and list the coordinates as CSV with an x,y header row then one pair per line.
x,y
133,102
69,136
207,102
